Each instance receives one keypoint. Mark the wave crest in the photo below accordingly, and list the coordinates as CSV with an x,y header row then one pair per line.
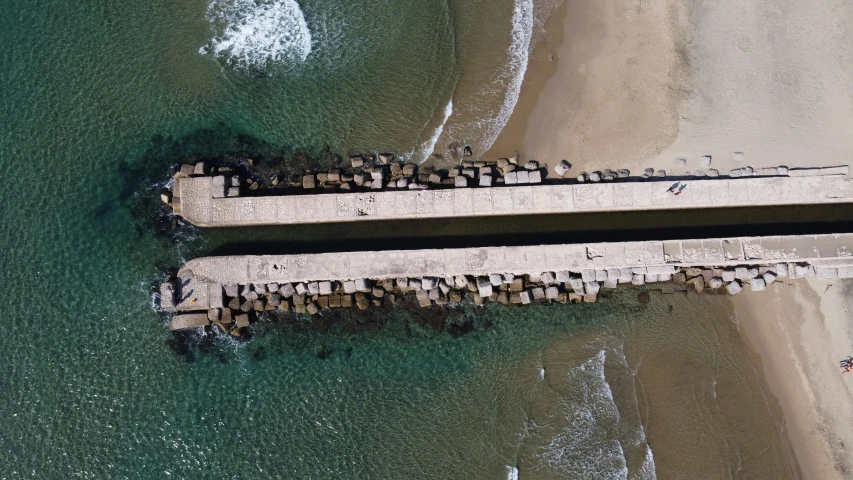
x,y
255,34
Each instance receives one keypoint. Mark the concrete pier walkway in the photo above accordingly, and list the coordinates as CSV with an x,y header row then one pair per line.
x,y
201,282
202,201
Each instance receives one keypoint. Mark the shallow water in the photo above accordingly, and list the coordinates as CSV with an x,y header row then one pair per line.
x,y
93,96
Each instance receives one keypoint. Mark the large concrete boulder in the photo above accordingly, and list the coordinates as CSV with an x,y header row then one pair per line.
x,y
362,285
698,283
535,177
562,168
577,285
361,301
274,299
168,297
733,288
757,284
484,287
287,290
802,270
538,293
592,287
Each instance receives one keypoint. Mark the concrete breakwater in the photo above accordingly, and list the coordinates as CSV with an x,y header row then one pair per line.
x,y
232,291
215,201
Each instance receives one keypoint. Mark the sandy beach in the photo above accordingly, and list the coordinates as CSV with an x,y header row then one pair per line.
x,y
765,83
798,332
640,84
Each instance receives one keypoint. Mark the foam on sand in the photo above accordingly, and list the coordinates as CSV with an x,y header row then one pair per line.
x,y
513,74
428,147
512,473
257,33
586,445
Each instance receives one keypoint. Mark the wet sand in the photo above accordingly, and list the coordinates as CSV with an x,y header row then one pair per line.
x,y
636,85
682,380
798,332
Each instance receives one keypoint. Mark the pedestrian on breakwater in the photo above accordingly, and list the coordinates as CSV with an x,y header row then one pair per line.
x,y
681,189
673,187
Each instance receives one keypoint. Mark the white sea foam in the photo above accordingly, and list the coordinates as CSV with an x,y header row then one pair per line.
x,y
428,147
647,469
257,33
512,473
587,445
513,74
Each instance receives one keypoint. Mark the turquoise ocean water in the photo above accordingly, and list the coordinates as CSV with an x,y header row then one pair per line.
x,y
99,98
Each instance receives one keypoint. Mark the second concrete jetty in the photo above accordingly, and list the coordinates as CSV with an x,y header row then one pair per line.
x,y
234,287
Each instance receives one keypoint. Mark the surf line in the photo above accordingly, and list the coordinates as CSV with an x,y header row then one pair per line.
x,y
519,55
428,147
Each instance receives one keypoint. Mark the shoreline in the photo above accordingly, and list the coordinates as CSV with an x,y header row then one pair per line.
x,y
541,67
666,85
796,339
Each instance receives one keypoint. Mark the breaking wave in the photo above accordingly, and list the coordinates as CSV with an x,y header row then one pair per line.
x,y
587,445
513,76
428,147
257,33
